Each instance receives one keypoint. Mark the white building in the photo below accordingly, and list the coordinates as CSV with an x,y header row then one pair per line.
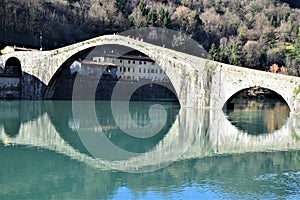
x,y
134,67
94,69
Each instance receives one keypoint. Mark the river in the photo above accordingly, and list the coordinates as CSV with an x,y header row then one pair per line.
x,y
147,150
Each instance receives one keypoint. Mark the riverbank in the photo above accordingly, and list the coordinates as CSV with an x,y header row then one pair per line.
x,y
142,90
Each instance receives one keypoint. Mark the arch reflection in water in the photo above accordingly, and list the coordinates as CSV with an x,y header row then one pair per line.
x,y
165,147
192,133
227,138
43,159
32,172
15,113
257,111
104,127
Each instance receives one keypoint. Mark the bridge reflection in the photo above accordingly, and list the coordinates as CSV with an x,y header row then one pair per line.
x,y
15,113
188,133
258,117
54,176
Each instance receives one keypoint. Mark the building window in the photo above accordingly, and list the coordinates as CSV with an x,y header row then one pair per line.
x,y
152,71
120,69
145,63
128,61
124,69
133,62
160,71
156,71
140,70
121,61
128,69
140,62
144,70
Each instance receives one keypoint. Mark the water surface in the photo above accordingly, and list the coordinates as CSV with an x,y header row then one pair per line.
x,y
48,151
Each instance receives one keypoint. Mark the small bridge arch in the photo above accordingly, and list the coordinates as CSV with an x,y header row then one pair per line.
x,y
258,96
230,81
13,67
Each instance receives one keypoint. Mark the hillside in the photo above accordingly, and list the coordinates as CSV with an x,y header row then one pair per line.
x,y
250,33
292,3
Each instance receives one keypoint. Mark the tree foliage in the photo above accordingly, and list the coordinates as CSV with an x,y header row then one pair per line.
x,y
251,33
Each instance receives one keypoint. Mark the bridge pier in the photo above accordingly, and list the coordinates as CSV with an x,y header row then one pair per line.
x,y
296,105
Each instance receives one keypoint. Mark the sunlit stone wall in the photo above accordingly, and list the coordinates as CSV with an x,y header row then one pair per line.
x,y
197,82
228,80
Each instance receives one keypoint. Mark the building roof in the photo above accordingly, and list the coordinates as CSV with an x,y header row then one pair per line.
x,y
101,64
129,57
9,49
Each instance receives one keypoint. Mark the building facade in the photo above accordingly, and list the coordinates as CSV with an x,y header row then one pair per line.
x,y
134,67
94,70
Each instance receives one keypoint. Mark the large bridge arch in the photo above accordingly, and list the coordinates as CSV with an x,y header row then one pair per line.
x,y
48,93
83,52
176,65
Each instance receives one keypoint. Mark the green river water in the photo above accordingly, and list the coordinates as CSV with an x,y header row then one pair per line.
x,y
104,150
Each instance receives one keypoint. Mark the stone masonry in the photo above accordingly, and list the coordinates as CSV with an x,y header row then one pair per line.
x,y
197,82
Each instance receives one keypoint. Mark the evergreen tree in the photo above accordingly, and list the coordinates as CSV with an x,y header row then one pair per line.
x,y
213,52
278,22
234,58
161,15
142,7
165,22
150,17
294,50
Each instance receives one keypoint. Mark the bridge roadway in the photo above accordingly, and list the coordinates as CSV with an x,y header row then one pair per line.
x,y
186,139
198,82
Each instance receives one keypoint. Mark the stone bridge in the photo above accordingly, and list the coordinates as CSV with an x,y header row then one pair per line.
x,y
198,82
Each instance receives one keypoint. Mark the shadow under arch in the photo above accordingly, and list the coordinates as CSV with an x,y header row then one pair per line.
x,y
20,85
50,89
257,110
13,67
259,94
63,76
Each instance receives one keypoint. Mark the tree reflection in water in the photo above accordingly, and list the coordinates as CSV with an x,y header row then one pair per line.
x,y
258,116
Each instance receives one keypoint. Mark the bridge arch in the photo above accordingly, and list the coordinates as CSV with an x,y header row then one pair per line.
x,y
53,81
279,93
13,67
229,80
84,50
